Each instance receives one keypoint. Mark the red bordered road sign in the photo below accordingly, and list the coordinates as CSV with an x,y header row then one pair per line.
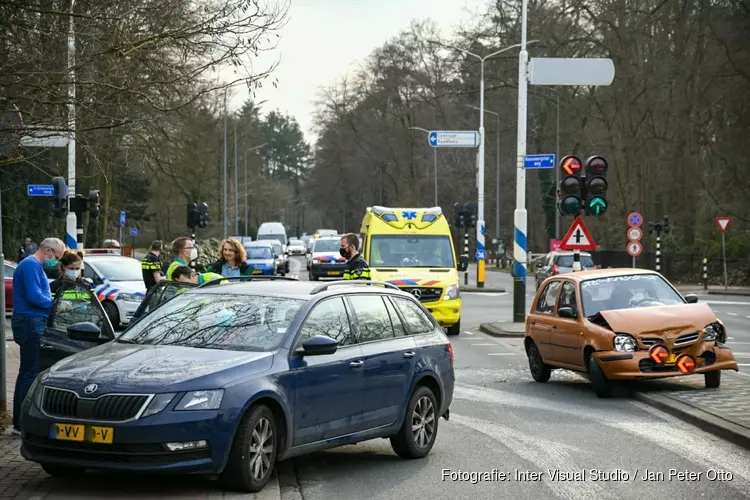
x,y
635,219
635,234
723,223
578,237
635,248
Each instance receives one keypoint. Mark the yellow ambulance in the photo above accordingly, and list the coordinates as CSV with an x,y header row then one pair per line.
x,y
412,248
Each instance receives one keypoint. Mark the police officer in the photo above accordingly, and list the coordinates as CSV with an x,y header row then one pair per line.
x,y
70,271
151,266
356,266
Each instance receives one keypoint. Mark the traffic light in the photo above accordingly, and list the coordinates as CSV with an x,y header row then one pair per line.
x,y
596,185
571,190
60,198
192,215
459,210
94,200
471,215
203,217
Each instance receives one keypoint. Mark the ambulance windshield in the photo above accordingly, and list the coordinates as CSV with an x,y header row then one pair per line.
x,y
411,251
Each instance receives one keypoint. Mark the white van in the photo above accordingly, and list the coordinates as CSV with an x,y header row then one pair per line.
x,y
273,231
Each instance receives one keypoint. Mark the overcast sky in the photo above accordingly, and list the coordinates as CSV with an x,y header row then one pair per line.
x,y
325,39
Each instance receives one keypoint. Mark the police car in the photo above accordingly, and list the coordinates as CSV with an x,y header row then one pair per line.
x,y
117,282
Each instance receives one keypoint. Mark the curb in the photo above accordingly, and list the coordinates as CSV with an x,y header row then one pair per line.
x,y
701,419
484,290
739,293
289,488
496,332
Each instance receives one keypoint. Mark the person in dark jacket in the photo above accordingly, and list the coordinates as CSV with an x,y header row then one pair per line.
x,y
356,266
233,260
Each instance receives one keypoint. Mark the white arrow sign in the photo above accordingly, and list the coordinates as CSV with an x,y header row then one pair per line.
x,y
454,139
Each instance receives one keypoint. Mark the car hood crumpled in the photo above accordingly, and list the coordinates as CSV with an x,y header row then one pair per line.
x,y
658,321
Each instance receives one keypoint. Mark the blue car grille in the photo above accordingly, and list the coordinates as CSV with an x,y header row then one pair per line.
x,y
112,407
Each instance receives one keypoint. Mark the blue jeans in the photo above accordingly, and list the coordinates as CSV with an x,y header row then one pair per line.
x,y
27,331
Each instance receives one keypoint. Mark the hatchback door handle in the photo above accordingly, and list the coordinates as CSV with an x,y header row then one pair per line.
x,y
409,354
356,364
47,347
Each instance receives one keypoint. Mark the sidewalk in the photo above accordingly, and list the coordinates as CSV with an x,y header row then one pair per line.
x,y
503,329
713,289
494,282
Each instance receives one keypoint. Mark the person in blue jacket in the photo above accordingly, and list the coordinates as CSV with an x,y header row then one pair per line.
x,y
32,301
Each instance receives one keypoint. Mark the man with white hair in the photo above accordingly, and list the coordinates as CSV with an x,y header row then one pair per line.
x,y
32,300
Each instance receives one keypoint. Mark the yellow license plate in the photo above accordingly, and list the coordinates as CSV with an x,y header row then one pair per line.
x,y
257,271
670,360
77,432
334,273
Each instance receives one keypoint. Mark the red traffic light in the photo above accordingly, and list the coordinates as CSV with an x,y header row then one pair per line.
x,y
571,165
596,165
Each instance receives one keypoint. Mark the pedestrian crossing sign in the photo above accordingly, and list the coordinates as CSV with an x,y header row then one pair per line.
x,y
578,237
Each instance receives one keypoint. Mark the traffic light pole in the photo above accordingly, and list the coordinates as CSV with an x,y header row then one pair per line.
x,y
74,222
466,251
3,356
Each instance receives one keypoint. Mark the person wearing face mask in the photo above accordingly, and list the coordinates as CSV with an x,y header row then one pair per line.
x,y
70,271
32,301
185,251
356,266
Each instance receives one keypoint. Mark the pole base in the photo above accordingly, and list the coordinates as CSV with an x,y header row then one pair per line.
x,y
519,300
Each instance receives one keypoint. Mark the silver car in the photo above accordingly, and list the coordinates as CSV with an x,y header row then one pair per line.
x,y
560,262
282,262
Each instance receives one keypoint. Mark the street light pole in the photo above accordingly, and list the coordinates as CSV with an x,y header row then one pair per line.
x,y
236,185
434,159
73,227
497,173
246,197
225,221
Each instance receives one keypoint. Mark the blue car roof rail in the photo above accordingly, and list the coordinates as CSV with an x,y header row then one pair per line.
x,y
326,286
216,281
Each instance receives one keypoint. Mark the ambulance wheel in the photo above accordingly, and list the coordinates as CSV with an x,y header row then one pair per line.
x,y
112,313
454,329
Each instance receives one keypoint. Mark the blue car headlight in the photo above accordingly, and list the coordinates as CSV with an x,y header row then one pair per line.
x,y
158,404
201,400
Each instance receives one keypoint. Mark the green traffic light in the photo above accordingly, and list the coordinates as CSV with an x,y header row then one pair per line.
x,y
597,205
570,205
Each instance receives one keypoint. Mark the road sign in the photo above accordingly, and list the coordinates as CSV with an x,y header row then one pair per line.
x,y
481,255
539,161
41,190
454,139
635,248
133,231
122,219
635,234
635,219
571,71
578,237
723,223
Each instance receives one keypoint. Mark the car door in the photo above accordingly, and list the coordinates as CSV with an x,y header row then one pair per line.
x,y
389,356
160,293
328,387
542,322
567,337
74,303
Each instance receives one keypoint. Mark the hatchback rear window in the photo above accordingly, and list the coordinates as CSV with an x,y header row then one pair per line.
x,y
567,261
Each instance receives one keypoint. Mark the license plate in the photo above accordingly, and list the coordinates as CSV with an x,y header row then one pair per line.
x,y
334,273
257,271
77,432
670,360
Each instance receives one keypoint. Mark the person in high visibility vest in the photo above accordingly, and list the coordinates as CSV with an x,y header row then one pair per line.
x,y
185,251
186,275
70,272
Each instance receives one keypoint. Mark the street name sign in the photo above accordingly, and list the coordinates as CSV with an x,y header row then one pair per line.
x,y
578,237
635,248
41,190
571,71
723,223
454,139
539,161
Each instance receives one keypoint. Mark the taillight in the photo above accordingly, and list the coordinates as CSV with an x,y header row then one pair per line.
x,y
658,354
450,351
686,363
555,269
596,267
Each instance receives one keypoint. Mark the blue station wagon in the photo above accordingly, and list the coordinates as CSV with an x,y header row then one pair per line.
x,y
230,377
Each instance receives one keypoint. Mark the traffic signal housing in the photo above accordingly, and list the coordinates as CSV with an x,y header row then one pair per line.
x,y
571,189
596,186
203,215
94,200
60,198
192,215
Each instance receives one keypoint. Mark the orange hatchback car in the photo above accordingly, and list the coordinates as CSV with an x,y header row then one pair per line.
x,y
623,324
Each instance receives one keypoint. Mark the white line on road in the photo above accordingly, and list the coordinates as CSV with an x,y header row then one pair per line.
x,y
732,314
738,342
468,333
477,345
727,303
502,354
741,354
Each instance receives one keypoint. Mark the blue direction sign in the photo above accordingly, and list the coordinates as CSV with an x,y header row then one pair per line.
x,y
122,219
41,190
454,139
539,161
481,255
133,231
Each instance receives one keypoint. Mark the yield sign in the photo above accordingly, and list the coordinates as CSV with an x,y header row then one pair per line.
x,y
578,237
723,223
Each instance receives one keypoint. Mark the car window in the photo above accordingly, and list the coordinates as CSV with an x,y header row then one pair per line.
x,y
568,296
9,270
415,319
567,261
372,318
75,303
625,292
327,246
328,318
548,298
88,272
398,326
118,268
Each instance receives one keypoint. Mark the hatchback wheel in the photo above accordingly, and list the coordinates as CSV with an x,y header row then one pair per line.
x,y
713,379
602,385
540,371
419,430
254,451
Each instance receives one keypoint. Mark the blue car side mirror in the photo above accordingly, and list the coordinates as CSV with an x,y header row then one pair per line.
x,y
318,345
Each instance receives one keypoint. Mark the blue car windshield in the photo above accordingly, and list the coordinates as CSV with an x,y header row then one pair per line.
x,y
217,321
259,253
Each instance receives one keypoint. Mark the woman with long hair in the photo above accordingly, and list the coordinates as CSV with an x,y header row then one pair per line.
x,y
233,260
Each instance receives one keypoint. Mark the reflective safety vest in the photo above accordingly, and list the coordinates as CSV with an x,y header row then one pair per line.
x,y
174,265
205,277
74,295
357,269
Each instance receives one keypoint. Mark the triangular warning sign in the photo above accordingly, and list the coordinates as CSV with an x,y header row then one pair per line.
x,y
723,223
578,237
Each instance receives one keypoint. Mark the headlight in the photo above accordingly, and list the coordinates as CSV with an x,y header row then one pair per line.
x,y
37,390
131,297
201,400
316,261
625,342
714,331
453,292
158,404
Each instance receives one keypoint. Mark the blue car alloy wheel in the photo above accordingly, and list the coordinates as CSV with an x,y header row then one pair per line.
x,y
253,452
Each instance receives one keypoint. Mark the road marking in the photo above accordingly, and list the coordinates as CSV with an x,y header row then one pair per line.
x,y
739,342
732,314
743,364
502,354
486,294
477,345
468,333
727,302
741,354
